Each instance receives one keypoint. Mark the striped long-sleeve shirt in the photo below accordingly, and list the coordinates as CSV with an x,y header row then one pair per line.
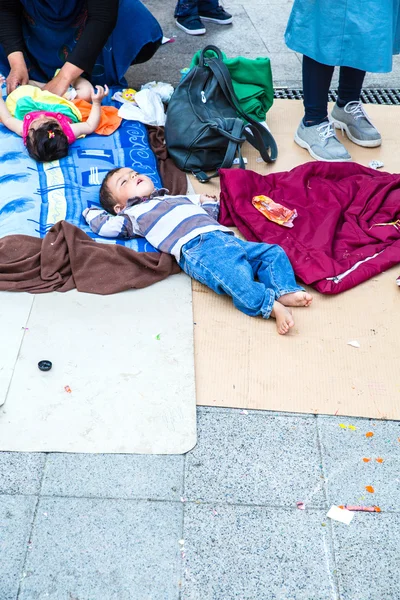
x,y
167,222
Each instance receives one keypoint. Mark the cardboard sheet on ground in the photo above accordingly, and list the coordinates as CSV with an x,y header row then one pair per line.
x,y
243,362
127,359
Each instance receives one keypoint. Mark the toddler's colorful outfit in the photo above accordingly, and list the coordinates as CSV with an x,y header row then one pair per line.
x,y
28,102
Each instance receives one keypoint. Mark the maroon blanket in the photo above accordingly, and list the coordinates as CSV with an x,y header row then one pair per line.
x,y
340,206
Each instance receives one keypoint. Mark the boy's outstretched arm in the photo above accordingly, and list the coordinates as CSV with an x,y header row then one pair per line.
x,y
209,203
106,225
93,121
8,121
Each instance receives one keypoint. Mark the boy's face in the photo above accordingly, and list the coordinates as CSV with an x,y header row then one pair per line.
x,y
126,184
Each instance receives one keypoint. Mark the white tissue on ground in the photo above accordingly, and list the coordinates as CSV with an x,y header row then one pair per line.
x,y
149,109
164,90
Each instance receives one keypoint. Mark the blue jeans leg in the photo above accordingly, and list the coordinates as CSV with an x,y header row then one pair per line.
x,y
272,267
190,8
219,260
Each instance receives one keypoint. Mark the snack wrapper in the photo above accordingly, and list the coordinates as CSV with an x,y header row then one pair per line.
x,y
273,211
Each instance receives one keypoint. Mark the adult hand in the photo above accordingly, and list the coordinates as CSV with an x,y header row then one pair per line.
x,y
18,72
58,85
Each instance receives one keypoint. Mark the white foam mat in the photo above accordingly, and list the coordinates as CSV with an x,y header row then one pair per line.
x,y
14,314
127,360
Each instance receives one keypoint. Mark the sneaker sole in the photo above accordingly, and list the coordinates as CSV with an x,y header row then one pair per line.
x,y
363,143
306,146
191,31
218,21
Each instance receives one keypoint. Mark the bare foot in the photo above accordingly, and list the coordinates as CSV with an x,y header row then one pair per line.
x,y
283,317
296,299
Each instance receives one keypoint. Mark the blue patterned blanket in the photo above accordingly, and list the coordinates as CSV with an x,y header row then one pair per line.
x,y
34,196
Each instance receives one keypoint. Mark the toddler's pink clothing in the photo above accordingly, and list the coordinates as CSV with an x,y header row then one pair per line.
x,y
62,119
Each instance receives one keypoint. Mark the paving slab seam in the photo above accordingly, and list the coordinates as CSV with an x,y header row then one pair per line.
x,y
169,501
255,29
329,551
309,507
31,530
182,566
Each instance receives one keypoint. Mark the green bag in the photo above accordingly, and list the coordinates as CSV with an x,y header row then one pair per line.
x,y
251,80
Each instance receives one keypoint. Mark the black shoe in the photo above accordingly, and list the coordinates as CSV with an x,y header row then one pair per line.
x,y
191,25
218,15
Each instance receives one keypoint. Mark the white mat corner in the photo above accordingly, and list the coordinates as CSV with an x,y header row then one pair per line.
x,y
127,359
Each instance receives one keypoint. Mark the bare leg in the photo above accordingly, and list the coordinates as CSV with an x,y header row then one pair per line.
x,y
83,88
283,317
296,299
38,84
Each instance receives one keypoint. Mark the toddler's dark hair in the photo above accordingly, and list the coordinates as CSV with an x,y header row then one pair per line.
x,y
107,200
47,143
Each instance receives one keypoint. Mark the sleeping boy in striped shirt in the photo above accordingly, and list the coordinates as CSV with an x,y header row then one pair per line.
x,y
258,276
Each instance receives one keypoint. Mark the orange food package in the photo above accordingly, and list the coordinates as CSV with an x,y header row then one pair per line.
x,y
273,211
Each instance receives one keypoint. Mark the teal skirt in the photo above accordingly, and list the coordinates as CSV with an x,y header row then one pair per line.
x,y
352,33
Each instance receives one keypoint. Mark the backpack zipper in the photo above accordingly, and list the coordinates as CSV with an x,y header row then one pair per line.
x,y
203,96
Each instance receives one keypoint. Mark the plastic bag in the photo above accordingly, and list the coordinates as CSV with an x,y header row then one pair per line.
x,y
149,109
273,211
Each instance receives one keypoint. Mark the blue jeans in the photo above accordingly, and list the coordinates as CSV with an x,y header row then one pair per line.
x,y
230,266
192,8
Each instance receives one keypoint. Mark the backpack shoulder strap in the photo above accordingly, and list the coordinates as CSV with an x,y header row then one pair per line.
x,y
234,147
257,135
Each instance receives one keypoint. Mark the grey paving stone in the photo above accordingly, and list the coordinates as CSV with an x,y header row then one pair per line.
x,y
171,58
21,472
114,476
16,514
286,69
368,557
254,459
347,475
91,549
271,24
383,80
249,553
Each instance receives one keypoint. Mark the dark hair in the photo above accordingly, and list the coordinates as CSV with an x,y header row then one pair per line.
x,y
46,143
107,200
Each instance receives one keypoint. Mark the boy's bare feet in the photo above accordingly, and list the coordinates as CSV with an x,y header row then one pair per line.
x,y
283,317
296,299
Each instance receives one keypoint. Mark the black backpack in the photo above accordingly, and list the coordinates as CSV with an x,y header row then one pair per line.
x,y
203,131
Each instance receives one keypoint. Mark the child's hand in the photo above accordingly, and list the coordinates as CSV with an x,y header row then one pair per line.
x,y
206,198
101,92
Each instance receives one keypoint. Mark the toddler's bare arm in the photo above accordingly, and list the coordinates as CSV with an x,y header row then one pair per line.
x,y
94,118
8,121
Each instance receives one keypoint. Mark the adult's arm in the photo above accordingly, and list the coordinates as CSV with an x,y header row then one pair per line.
x,y
13,43
10,26
101,21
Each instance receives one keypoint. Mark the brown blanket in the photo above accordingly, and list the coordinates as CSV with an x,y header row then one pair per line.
x,y
172,178
67,258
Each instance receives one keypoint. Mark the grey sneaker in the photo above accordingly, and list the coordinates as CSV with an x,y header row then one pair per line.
x,y
353,119
321,142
